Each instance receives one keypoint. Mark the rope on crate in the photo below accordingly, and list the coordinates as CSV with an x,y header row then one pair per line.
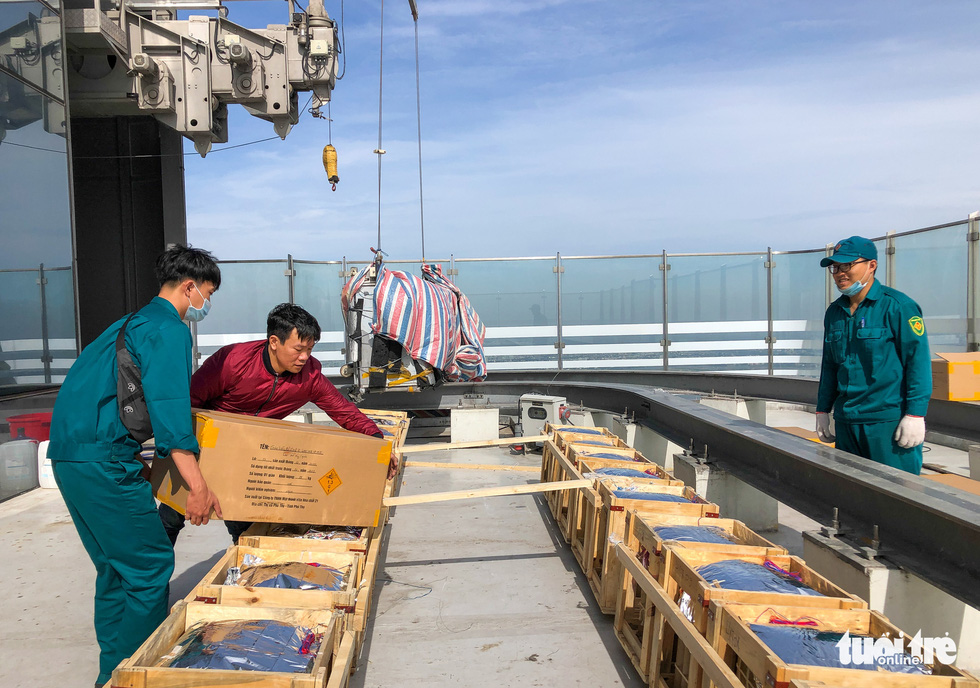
x,y
783,572
778,619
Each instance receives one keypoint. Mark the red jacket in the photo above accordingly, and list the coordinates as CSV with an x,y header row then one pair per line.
x,y
239,378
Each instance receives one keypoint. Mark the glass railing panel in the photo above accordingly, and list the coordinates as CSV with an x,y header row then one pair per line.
x,y
612,312
517,300
317,289
249,290
717,313
20,328
931,268
799,301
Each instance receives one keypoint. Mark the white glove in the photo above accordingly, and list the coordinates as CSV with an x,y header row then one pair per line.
x,y
911,432
823,428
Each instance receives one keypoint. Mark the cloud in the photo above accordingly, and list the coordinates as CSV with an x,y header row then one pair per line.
x,y
626,134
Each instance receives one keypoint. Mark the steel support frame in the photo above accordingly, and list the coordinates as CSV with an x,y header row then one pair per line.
x,y
973,282
926,527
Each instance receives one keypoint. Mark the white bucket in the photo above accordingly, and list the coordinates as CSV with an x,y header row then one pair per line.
x,y
45,475
18,467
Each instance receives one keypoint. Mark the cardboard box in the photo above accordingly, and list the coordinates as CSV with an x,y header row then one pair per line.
x,y
273,471
956,377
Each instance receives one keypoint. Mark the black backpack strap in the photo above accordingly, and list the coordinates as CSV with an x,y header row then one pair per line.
x,y
129,390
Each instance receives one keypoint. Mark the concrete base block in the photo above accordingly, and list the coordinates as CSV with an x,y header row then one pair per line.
x,y
974,451
656,447
581,417
652,445
735,498
473,425
624,430
751,409
910,602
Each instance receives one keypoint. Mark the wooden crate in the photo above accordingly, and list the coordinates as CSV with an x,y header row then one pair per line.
x,y
212,589
583,509
564,501
550,429
139,670
682,577
743,651
588,464
343,662
569,502
397,431
608,527
261,535
577,452
551,472
365,591
640,533
667,621
606,439
634,610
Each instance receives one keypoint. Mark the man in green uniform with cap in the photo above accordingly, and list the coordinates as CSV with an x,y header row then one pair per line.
x,y
876,374
96,461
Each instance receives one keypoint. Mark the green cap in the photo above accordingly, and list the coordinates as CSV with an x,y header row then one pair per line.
x,y
851,249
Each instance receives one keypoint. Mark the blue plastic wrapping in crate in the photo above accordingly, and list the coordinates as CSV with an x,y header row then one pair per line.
x,y
248,645
735,574
607,455
579,431
707,534
811,647
291,575
626,473
626,493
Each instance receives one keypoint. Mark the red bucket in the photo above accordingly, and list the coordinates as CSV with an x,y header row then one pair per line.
x,y
35,426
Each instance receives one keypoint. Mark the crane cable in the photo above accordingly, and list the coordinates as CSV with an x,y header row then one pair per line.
x,y
418,111
379,151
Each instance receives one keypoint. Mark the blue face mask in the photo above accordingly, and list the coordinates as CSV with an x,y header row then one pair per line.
x,y
855,288
856,285
197,314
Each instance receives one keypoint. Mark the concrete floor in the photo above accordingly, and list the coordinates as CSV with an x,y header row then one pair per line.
x,y
477,593
484,592
47,638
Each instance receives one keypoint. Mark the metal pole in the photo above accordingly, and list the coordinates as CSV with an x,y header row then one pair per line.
x,y
973,282
195,350
452,268
291,276
829,251
665,342
770,339
890,264
559,344
45,346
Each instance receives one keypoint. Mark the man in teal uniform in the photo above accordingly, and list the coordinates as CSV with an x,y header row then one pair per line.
x,y
96,462
876,375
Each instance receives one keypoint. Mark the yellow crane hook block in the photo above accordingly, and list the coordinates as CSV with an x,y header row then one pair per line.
x,y
330,165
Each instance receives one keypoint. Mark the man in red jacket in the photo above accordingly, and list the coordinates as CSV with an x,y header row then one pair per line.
x,y
269,378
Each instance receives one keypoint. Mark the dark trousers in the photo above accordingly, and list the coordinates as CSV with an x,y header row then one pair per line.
x,y
173,523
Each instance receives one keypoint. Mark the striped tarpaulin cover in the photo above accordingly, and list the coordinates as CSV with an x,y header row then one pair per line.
x,y
428,316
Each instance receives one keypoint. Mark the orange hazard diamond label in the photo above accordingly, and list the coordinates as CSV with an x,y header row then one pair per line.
x,y
330,481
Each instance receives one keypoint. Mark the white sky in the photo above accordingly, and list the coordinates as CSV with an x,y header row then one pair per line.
x,y
596,128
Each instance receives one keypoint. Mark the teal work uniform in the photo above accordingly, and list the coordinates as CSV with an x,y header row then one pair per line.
x,y
875,370
96,467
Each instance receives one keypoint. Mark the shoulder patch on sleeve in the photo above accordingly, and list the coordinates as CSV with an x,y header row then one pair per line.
x,y
918,327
